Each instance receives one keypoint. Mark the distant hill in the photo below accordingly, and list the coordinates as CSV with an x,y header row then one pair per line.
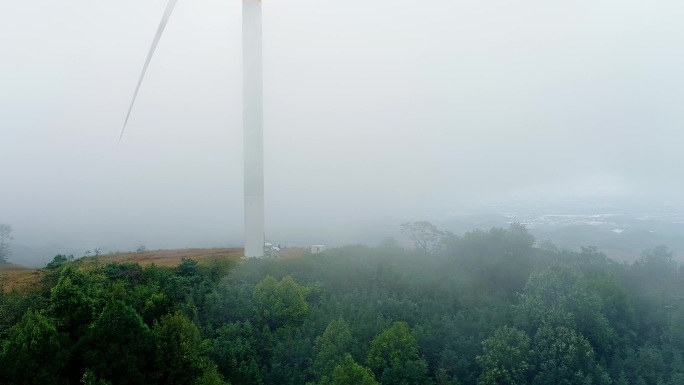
x,y
624,246
39,256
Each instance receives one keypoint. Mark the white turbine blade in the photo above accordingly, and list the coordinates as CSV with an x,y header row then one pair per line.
x,y
165,18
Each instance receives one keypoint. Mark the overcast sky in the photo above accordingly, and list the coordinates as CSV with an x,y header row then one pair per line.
x,y
373,109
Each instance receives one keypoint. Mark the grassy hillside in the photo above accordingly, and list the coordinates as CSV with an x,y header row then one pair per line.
x,y
19,277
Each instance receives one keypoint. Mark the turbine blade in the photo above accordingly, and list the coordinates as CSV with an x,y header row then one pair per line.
x,y
165,18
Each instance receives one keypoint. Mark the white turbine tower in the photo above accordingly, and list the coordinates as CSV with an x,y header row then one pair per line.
x,y
252,119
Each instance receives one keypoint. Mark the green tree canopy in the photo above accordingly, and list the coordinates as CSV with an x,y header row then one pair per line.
x,y
235,351
179,352
73,301
119,346
563,357
34,353
393,357
279,303
348,372
506,358
331,346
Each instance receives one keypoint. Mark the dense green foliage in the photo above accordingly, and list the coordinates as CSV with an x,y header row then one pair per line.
x,y
487,308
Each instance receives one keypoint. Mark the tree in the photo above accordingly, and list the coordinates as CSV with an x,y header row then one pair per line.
x,y
210,376
350,373
179,357
5,237
118,346
563,357
426,236
236,352
331,347
506,358
187,268
34,353
560,296
393,357
89,378
659,259
73,302
58,261
279,303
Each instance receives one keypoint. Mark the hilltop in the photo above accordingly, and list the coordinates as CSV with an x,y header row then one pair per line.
x,y
19,277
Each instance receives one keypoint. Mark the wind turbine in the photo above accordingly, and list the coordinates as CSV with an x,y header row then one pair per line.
x,y
252,94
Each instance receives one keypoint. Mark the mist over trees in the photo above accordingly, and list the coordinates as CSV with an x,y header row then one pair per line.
x,y
489,307
425,236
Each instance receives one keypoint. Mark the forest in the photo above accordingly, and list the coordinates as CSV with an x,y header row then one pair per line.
x,y
488,307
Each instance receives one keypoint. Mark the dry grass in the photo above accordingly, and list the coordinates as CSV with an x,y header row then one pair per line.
x,y
18,277
22,278
292,252
171,258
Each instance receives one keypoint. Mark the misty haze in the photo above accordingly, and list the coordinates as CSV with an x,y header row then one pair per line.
x,y
341,192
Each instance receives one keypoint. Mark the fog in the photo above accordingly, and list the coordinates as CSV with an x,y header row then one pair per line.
x,y
375,113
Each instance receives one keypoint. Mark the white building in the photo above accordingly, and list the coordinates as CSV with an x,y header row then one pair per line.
x,y
317,249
